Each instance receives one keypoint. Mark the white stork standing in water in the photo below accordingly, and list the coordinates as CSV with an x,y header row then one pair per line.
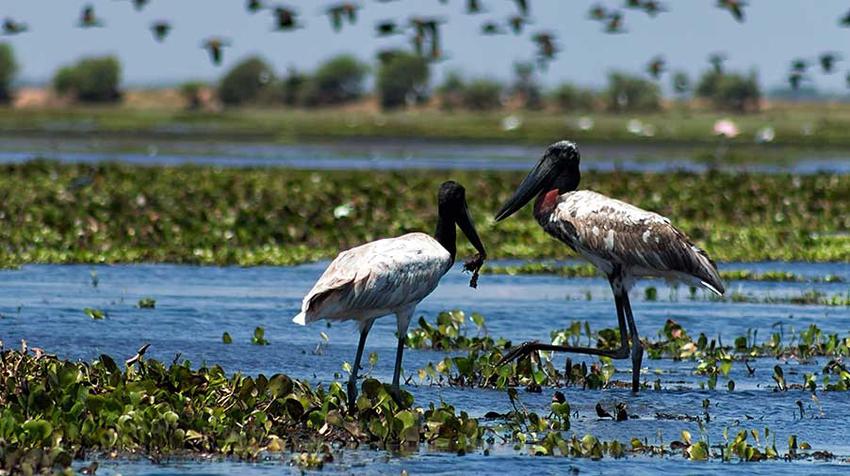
x,y
391,276
623,241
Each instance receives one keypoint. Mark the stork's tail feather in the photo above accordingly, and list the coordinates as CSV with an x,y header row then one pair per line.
x,y
300,319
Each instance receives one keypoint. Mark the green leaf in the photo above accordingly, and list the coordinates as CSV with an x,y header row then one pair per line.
x,y
93,313
226,339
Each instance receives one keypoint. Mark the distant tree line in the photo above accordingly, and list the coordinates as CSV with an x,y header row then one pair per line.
x,y
402,79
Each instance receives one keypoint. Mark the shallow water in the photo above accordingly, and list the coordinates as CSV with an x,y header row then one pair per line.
x,y
195,305
398,155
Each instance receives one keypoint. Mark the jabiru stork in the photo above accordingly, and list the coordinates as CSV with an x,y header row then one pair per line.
x,y
391,276
621,240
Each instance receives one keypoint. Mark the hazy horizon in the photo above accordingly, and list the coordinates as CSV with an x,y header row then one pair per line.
x,y
774,33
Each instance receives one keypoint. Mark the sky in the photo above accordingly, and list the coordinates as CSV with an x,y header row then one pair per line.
x,y
775,31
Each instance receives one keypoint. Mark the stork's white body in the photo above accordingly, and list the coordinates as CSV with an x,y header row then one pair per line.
x,y
610,234
388,276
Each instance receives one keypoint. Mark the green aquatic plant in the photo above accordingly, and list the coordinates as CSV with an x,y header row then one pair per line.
x,y
110,212
147,303
53,410
259,337
93,313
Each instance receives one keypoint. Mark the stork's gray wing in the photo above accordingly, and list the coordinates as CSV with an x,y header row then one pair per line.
x,y
377,278
609,232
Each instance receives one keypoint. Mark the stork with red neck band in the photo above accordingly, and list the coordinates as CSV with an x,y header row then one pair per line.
x,y
622,240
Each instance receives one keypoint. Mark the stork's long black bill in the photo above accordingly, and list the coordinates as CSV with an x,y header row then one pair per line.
x,y
532,185
464,221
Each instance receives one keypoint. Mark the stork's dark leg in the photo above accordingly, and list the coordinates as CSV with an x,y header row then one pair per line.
x,y
620,300
352,380
637,348
398,354
403,321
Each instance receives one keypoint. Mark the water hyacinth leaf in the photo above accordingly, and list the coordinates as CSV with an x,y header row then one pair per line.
x,y
93,313
226,339
147,303
373,359
259,337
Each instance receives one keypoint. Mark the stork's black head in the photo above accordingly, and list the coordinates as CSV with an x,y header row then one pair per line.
x,y
557,170
453,210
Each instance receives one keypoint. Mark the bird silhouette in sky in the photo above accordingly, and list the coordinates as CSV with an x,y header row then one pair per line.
x,y
827,61
546,47
140,4
656,67
342,11
88,19
387,28
13,27
253,6
794,79
215,47
614,23
597,12
285,18
473,7
160,29
492,28
517,23
522,6
717,61
653,8
735,7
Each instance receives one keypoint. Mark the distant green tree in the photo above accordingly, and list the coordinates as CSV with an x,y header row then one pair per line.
x,y
402,77
482,94
632,93
730,91
8,69
291,86
451,91
337,81
90,80
245,82
569,97
526,85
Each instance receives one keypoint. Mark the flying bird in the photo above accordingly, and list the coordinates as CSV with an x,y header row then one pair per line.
x,y
653,8
799,65
828,60
387,28
285,18
655,67
735,7
391,276
215,46
517,22
717,61
88,19
473,7
342,11
522,6
546,47
12,27
621,240
614,23
253,6
160,29
492,28
795,78
140,4
597,12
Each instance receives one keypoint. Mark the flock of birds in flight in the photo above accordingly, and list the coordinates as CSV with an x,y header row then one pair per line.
x,y
426,38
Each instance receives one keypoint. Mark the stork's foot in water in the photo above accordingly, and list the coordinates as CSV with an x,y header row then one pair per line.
x,y
531,346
